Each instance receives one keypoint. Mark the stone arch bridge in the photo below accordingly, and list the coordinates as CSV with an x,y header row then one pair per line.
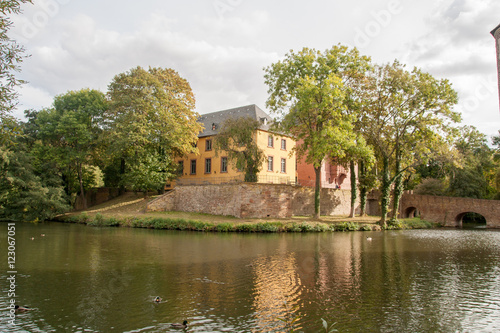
x,y
449,211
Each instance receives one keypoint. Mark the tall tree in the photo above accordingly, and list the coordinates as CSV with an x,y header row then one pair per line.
x,y
11,55
238,138
406,115
311,93
475,177
70,133
151,118
25,194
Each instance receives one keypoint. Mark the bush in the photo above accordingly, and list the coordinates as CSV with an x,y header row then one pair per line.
x,y
347,226
224,227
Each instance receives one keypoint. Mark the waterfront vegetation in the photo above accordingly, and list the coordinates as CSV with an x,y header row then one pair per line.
x,y
288,225
129,210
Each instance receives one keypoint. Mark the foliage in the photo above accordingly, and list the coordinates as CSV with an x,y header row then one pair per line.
x,y
237,138
477,174
151,120
431,186
11,55
328,328
312,92
407,118
68,136
25,195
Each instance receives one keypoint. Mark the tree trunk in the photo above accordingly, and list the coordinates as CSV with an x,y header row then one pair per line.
x,y
386,191
353,188
317,192
398,189
363,193
122,172
80,179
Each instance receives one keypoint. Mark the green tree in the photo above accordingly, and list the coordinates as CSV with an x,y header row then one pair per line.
x,y
475,177
237,138
312,92
26,195
70,132
11,55
151,118
407,116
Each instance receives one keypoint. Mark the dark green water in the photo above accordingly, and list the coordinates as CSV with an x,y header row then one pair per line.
x,y
84,279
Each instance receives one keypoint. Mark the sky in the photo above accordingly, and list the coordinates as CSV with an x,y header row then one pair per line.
x,y
221,47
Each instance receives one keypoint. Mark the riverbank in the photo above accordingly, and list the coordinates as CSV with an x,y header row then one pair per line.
x,y
129,210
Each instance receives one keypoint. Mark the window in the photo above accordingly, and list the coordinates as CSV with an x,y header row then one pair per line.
x,y
208,165
223,164
283,165
270,160
208,145
180,168
193,167
270,141
283,144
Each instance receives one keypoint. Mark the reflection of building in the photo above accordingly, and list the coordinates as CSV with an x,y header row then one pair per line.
x,y
496,33
208,167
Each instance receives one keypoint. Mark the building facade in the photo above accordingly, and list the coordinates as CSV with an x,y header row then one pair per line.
x,y
333,175
209,167
496,34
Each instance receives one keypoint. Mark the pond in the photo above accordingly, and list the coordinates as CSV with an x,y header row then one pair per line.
x,y
83,279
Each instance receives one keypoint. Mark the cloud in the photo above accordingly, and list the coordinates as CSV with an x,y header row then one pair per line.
x,y
88,56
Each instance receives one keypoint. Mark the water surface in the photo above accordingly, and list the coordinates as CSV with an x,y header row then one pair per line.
x,y
85,279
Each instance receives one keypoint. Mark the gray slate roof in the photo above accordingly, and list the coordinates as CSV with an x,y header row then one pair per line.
x,y
213,121
495,30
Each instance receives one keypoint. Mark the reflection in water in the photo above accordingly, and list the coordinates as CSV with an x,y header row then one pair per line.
x,y
102,280
277,290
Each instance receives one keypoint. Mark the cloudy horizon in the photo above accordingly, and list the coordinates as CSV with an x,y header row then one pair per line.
x,y
222,46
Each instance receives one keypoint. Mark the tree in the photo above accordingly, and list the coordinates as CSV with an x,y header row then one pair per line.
x,y
407,115
26,195
151,118
237,137
475,177
311,92
11,55
72,131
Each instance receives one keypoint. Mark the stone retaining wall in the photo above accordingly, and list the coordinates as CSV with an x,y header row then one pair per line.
x,y
250,200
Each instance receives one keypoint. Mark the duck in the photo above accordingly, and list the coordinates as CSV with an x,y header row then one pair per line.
x,y
157,299
21,308
177,325
369,239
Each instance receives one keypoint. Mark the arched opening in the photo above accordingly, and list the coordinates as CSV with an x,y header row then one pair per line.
x,y
471,220
411,212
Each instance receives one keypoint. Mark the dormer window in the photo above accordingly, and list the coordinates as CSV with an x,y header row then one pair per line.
x,y
263,121
214,126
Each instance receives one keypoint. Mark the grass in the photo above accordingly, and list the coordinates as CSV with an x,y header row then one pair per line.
x,y
129,210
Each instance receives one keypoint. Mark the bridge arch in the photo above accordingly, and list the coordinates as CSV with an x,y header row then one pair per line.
x,y
410,212
470,217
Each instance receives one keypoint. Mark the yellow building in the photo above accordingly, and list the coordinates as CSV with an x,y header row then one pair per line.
x,y
207,167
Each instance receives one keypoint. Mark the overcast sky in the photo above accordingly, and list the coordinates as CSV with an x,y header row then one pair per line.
x,y
222,46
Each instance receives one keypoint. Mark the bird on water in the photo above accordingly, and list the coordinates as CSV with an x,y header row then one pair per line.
x,y
183,325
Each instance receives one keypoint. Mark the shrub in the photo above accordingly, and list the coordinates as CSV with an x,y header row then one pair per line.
x,y
347,226
224,227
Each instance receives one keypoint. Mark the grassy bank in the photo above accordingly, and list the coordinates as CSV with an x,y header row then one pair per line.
x,y
130,211
167,223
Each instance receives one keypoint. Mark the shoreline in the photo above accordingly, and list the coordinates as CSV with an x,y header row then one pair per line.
x,y
129,210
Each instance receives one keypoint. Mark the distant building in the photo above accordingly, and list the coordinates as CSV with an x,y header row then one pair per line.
x,y
207,168
496,33
333,175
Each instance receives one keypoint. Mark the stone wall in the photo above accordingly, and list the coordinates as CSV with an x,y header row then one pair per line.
x,y
97,196
249,200
450,210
